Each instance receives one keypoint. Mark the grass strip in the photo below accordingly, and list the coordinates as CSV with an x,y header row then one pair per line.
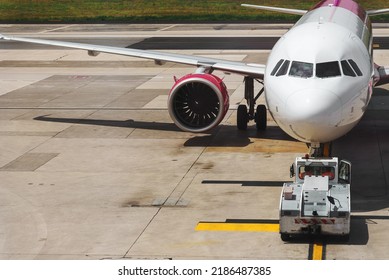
x,y
154,11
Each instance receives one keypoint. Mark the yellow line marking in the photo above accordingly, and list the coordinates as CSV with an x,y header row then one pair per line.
x,y
317,251
376,46
317,248
238,227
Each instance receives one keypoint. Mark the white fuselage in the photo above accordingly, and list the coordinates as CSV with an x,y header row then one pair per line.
x,y
324,78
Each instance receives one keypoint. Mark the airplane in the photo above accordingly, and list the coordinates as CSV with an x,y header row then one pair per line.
x,y
318,79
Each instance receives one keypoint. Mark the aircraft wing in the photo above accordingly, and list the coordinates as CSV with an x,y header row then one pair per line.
x,y
302,12
276,9
377,12
252,70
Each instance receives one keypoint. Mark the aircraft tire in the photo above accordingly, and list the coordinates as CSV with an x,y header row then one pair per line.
x,y
242,117
285,237
344,238
261,117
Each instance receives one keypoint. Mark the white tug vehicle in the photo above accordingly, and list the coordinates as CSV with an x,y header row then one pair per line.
x,y
318,201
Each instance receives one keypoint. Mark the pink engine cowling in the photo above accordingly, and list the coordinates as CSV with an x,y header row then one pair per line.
x,y
198,102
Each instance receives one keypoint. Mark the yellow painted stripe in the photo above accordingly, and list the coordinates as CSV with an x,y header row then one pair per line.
x,y
238,227
317,251
376,46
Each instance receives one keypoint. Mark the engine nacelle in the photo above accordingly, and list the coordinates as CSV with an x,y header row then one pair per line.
x,y
198,102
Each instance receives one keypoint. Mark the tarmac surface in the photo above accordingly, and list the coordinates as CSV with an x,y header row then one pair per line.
x,y
92,167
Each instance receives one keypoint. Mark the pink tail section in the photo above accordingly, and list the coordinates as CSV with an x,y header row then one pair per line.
x,y
345,4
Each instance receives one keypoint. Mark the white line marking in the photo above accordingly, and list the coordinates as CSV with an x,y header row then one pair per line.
x,y
58,28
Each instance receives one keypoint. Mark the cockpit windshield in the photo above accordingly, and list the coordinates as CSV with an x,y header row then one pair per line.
x,y
284,69
328,69
355,67
322,70
301,69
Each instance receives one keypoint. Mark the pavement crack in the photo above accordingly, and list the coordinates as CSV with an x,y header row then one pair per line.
x,y
61,57
139,236
177,188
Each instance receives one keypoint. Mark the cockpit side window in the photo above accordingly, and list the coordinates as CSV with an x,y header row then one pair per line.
x,y
355,67
301,69
347,70
276,67
328,69
284,69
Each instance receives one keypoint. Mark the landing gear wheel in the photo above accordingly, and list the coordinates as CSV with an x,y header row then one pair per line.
x,y
345,238
322,150
261,117
242,117
285,237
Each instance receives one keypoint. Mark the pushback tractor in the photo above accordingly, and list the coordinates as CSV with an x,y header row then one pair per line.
x,y
318,201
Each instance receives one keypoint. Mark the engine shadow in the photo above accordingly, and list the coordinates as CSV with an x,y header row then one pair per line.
x,y
113,123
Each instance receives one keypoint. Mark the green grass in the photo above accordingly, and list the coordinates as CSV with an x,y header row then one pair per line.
x,y
42,11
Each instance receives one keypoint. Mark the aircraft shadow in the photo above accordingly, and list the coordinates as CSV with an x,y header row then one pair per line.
x,y
367,147
230,136
221,136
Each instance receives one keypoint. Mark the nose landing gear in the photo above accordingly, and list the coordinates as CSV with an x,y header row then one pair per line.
x,y
320,150
259,115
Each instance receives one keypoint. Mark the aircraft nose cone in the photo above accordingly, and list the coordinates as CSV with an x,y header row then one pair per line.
x,y
313,115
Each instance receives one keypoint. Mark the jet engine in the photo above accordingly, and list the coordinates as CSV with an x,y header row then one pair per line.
x,y
198,102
